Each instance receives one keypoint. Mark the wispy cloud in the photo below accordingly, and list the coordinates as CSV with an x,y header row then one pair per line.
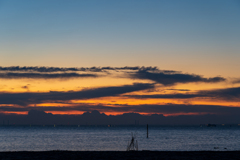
x,y
225,94
11,75
236,81
65,69
177,96
17,72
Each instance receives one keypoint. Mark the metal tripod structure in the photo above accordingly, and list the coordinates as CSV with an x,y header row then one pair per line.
x,y
133,144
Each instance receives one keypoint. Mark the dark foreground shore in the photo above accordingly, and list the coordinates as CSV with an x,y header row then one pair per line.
x,y
196,155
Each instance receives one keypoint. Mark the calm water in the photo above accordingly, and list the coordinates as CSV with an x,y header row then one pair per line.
x,y
102,138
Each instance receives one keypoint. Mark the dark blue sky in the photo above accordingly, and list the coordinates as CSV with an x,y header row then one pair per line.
x,y
170,34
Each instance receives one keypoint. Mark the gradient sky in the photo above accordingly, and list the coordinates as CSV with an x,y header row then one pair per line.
x,y
197,40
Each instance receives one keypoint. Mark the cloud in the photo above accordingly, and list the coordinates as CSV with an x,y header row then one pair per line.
x,y
16,72
165,77
11,75
173,78
178,96
226,94
62,69
25,87
27,98
176,109
40,69
179,89
236,81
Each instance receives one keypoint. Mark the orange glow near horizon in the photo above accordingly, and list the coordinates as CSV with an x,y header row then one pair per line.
x,y
14,112
111,101
184,114
106,113
65,112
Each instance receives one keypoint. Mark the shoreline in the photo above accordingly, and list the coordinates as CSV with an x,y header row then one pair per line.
x,y
178,155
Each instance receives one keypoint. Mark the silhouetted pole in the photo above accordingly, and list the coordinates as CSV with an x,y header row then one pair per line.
x,y
147,130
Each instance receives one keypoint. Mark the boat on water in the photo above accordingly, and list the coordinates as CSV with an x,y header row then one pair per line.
x,y
211,125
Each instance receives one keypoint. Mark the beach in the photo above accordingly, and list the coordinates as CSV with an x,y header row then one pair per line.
x,y
163,155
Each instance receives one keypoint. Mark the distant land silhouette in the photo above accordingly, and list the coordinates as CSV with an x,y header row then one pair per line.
x,y
36,117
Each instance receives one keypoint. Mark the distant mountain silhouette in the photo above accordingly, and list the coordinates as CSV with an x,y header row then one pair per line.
x,y
35,117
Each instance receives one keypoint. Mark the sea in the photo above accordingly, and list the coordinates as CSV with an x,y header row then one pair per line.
x,y
117,138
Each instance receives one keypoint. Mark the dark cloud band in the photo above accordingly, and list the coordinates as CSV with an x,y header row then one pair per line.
x,y
34,98
173,78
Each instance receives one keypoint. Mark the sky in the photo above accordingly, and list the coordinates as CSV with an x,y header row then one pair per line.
x,y
164,57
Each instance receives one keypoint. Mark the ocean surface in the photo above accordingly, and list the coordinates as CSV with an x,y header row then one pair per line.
x,y
116,138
